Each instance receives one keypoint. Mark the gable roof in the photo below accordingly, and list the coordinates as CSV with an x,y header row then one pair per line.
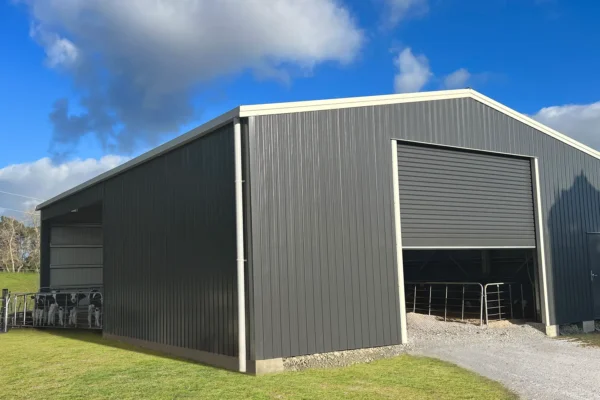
x,y
317,105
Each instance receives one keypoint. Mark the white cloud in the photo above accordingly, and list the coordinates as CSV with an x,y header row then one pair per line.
x,y
398,10
581,122
457,79
413,71
139,62
60,52
43,179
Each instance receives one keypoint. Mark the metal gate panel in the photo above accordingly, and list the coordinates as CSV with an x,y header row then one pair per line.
x,y
452,198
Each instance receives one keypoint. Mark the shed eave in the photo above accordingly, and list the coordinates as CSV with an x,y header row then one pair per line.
x,y
156,152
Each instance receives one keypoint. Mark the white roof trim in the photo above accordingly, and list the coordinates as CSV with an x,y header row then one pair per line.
x,y
318,105
304,106
333,104
534,124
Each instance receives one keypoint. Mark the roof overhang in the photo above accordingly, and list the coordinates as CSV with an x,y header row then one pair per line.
x,y
320,105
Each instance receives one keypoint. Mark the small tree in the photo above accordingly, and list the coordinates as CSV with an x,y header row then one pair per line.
x,y
20,244
9,253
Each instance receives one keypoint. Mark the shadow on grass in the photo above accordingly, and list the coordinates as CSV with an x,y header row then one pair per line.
x,y
95,337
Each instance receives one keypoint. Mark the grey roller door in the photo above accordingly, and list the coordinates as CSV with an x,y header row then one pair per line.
x,y
456,198
76,256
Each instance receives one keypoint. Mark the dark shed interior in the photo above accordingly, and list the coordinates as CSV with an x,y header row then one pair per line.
x,y
460,270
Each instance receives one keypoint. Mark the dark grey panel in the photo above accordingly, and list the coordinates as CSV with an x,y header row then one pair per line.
x,y
322,245
323,260
472,198
169,248
76,235
87,197
75,256
594,265
75,277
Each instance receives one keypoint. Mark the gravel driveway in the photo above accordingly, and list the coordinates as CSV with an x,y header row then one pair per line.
x,y
519,356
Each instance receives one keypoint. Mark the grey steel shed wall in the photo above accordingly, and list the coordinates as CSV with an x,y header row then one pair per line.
x,y
169,240
322,237
456,198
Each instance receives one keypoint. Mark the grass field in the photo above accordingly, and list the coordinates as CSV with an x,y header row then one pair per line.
x,y
81,365
26,282
588,339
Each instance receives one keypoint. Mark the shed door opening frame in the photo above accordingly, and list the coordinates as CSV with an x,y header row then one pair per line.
x,y
539,224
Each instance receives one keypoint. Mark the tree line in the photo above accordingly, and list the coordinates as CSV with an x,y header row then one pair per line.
x,y
20,244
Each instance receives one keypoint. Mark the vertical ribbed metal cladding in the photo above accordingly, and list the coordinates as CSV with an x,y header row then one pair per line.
x,y
322,220
169,229
322,217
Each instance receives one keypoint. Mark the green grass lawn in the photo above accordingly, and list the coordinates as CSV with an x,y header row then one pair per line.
x,y
588,339
41,364
82,365
25,282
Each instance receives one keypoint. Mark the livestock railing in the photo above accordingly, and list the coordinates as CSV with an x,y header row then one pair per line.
x,y
507,300
80,309
467,301
452,300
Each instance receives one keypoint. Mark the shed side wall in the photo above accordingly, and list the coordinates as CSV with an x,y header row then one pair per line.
x,y
322,238
169,260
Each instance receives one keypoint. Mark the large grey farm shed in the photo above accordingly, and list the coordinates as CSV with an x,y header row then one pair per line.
x,y
287,229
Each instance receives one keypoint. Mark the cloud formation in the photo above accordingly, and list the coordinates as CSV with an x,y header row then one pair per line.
x,y
413,71
398,10
43,179
581,122
457,79
136,64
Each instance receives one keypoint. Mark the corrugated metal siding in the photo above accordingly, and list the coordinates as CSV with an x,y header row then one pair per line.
x,y
76,256
169,260
323,259
323,252
454,198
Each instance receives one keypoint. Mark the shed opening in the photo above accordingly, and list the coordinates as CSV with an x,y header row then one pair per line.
x,y
476,286
75,247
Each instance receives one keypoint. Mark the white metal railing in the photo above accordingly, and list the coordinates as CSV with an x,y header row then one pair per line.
x,y
448,299
467,300
501,300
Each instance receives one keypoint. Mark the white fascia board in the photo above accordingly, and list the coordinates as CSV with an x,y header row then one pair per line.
x,y
164,148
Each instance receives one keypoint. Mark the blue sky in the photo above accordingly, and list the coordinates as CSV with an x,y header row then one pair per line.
x,y
527,54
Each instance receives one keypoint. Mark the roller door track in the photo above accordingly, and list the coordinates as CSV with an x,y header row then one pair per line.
x,y
451,198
